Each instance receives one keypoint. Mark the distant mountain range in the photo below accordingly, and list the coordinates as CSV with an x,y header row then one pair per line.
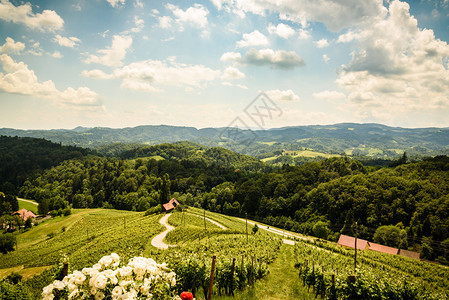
x,y
374,140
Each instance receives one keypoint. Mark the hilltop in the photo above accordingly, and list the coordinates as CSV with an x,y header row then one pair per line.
x,y
372,140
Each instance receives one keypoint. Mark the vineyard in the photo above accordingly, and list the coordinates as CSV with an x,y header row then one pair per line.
x,y
243,258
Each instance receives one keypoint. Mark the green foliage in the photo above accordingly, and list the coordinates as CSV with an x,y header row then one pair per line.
x,y
392,236
21,157
7,242
378,276
153,210
255,228
14,278
8,204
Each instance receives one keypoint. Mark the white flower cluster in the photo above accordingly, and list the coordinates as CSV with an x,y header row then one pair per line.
x,y
141,278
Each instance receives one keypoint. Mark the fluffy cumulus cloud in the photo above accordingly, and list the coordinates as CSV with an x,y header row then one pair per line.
x,y
146,75
231,56
19,79
11,46
252,39
112,56
23,14
165,22
278,59
335,15
116,3
398,68
323,43
278,95
231,73
195,16
282,30
329,95
70,42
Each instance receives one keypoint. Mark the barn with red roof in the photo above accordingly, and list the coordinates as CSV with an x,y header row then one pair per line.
x,y
170,205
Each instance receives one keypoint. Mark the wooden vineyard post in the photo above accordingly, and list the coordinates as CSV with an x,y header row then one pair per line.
x,y
204,219
252,271
246,218
65,269
212,275
355,246
124,223
232,277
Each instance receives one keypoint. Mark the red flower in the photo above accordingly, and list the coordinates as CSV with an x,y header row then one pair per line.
x,y
186,296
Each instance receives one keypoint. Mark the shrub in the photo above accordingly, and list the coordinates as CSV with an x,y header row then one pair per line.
x,y
14,278
7,242
153,210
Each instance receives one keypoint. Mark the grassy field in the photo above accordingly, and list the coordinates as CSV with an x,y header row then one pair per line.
x,y
302,153
88,234
27,205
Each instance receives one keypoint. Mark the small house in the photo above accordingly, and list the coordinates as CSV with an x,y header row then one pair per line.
x,y
170,205
24,214
411,254
349,241
382,248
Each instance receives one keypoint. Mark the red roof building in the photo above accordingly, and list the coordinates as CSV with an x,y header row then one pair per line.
x,y
170,205
411,254
24,214
349,241
382,248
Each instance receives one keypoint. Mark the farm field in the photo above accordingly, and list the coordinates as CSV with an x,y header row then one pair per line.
x,y
88,234
23,203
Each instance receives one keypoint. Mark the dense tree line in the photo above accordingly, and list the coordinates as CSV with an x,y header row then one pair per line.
x,y
20,157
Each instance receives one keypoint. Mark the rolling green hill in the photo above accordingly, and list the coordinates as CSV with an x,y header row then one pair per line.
x,y
373,140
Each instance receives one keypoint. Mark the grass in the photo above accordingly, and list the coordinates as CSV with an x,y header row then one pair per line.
x,y
27,205
281,283
53,225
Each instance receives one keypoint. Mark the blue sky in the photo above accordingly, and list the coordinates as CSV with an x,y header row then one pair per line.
x,y
120,63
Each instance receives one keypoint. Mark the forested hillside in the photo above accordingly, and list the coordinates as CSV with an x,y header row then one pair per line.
x,y
21,157
410,201
371,140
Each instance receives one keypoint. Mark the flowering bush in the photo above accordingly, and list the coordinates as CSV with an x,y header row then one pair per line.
x,y
141,278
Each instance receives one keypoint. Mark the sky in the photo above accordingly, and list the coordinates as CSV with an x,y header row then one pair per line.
x,y
124,63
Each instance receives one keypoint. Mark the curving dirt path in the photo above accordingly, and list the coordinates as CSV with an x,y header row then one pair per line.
x,y
29,201
158,240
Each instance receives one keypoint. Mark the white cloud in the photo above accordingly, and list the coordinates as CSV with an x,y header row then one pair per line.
x,y
231,73
278,95
279,59
138,4
348,37
143,75
329,95
165,22
70,42
323,43
398,69
10,46
326,58
282,30
231,56
56,54
19,79
112,56
335,15
195,16
23,14
139,23
240,86
254,38
116,3
304,34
